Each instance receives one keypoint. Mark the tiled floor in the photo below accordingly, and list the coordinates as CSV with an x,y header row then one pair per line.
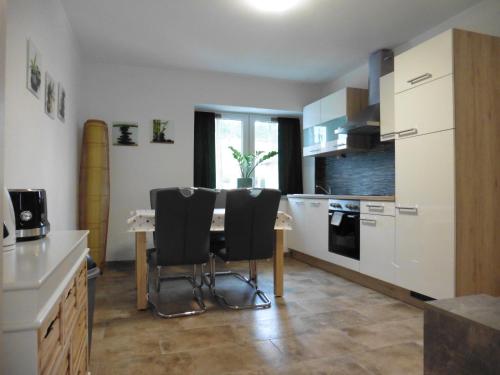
x,y
323,325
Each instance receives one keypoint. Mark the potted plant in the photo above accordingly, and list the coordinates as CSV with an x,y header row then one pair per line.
x,y
248,163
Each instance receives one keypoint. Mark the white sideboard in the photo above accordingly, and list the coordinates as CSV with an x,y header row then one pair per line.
x,y
45,305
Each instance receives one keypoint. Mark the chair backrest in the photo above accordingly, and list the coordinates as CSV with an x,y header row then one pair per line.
x,y
220,202
249,223
183,217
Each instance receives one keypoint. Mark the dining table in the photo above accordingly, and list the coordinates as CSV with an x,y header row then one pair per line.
x,y
140,222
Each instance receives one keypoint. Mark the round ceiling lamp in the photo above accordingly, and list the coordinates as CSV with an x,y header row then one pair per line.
x,y
274,6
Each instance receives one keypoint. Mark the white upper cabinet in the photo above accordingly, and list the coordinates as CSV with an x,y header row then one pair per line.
x,y
425,214
312,114
387,107
425,109
334,105
426,62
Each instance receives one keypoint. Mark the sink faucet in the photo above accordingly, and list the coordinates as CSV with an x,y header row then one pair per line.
x,y
327,191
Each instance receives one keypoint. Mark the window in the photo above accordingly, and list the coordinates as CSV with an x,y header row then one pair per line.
x,y
247,133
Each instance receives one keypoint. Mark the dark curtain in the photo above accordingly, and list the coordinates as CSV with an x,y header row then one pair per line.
x,y
204,149
290,155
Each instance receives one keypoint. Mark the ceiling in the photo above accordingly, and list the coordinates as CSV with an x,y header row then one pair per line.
x,y
317,41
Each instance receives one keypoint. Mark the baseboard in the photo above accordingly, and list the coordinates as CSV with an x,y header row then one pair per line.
x,y
364,280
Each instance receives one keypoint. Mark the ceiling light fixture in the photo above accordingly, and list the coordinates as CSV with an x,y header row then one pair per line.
x,y
274,6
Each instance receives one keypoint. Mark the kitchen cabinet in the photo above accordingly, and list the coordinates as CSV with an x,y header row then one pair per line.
x,y
310,226
425,109
387,122
426,62
447,165
311,114
425,216
377,235
322,118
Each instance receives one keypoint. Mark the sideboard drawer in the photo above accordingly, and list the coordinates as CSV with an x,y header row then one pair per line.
x,y
69,309
50,339
79,336
81,285
61,366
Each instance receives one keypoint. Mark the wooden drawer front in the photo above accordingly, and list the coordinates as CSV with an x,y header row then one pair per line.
x,y
79,336
80,365
425,109
81,286
50,339
378,208
69,309
426,62
61,367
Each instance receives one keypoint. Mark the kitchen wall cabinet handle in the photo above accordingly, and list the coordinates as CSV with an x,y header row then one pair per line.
x,y
420,78
387,136
369,221
315,204
375,206
413,209
406,132
299,202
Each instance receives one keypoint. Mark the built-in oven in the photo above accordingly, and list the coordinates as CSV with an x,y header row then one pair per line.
x,y
343,228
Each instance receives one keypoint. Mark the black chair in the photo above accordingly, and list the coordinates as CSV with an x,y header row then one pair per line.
x,y
183,217
248,235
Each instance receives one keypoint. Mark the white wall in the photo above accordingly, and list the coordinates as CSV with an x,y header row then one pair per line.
x,y
483,17
125,93
41,152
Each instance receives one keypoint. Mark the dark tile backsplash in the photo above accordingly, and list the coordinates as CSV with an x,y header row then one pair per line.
x,y
359,173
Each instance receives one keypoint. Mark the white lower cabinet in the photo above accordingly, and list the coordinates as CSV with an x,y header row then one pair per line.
x,y
425,214
377,246
310,226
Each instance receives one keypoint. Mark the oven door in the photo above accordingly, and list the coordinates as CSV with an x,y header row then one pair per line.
x,y
343,234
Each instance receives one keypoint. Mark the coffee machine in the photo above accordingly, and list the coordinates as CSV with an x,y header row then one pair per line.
x,y
9,223
30,211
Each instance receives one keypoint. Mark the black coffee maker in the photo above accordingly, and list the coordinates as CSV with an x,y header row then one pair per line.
x,y
30,210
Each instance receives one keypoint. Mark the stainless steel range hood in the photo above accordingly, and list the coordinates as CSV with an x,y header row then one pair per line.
x,y
368,120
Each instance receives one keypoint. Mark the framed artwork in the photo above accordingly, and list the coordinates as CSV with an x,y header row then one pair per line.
x,y
33,69
162,132
125,134
61,102
50,96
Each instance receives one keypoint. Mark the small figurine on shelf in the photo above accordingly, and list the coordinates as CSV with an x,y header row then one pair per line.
x,y
159,130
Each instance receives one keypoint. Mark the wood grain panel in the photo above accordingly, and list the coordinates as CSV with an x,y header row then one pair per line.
x,y
367,281
357,99
477,122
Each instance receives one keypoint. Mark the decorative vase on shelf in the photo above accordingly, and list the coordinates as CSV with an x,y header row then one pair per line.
x,y
245,182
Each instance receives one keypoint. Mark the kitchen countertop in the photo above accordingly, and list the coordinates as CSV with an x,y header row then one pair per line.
x,y
379,198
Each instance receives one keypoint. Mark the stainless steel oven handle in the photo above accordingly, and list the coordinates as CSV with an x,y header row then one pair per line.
x,y
369,221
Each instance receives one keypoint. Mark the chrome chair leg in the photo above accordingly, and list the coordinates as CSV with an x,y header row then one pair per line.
x,y
197,292
252,281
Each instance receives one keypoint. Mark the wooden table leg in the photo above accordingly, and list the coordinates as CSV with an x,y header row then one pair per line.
x,y
141,270
279,263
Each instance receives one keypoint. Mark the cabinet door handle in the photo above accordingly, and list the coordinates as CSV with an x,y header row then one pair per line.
x,y
315,204
395,265
406,132
299,203
369,221
375,206
413,209
420,78
388,136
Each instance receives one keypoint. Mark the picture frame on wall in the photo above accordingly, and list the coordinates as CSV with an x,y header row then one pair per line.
x,y
125,133
162,132
50,96
33,69
61,102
